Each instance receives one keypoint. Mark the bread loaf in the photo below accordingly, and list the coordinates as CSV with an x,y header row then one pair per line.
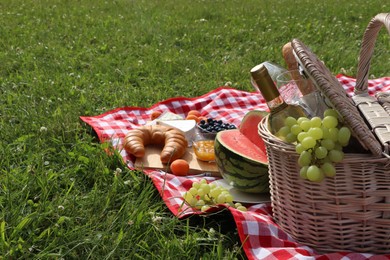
x,y
292,66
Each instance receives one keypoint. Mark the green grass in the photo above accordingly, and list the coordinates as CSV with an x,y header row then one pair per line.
x,y
59,194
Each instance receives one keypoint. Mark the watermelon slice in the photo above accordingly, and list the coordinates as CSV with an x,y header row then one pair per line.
x,y
241,156
249,127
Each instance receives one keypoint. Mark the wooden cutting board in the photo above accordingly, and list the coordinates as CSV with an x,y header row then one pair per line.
x,y
151,160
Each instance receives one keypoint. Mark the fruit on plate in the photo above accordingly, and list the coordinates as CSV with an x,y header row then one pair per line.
x,y
242,162
173,140
203,195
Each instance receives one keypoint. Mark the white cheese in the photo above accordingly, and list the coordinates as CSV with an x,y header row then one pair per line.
x,y
188,127
165,116
169,116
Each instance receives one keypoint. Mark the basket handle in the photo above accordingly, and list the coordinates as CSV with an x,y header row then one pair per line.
x,y
367,48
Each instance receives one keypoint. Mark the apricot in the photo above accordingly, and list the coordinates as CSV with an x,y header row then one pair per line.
x,y
155,114
193,117
194,112
180,167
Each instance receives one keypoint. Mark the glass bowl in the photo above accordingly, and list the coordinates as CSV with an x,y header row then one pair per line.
x,y
203,145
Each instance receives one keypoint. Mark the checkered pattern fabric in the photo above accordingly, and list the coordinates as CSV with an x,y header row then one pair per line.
x,y
260,235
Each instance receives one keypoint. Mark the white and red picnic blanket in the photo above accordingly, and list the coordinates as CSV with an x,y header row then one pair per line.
x,y
260,235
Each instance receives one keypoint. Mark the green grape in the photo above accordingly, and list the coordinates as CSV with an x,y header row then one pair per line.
x,y
308,142
331,112
326,159
304,159
330,122
344,135
328,144
214,193
315,121
291,138
319,144
191,201
200,204
305,125
303,172
301,119
338,147
188,196
321,152
196,185
229,198
296,129
334,134
290,121
328,169
336,156
299,148
283,131
325,132
205,187
314,173
302,136
203,195
201,192
316,133
242,208
205,208
193,191
221,198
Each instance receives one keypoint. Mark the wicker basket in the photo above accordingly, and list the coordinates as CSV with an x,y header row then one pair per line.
x,y
350,212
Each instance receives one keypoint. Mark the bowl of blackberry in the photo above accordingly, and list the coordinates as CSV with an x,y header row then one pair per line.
x,y
212,125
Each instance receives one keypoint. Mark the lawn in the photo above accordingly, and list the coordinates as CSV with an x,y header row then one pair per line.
x,y
61,195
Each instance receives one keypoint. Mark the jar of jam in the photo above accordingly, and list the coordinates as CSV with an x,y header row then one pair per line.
x,y
203,146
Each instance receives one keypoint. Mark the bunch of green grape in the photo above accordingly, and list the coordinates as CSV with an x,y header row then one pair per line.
x,y
319,143
203,195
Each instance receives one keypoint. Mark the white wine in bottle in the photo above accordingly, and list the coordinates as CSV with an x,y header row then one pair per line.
x,y
279,109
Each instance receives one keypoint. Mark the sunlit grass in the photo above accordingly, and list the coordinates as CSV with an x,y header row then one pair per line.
x,y
61,195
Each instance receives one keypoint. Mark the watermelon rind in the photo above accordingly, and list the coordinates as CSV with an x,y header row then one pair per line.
x,y
244,172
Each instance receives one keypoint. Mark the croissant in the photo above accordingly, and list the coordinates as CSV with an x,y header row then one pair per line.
x,y
174,141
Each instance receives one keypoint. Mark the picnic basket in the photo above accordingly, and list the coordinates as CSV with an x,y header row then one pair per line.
x,y
351,211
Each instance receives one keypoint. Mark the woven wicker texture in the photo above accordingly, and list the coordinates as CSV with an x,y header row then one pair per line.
x,y
350,212
367,49
384,100
374,109
334,92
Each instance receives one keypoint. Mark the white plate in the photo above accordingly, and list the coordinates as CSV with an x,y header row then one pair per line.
x,y
243,197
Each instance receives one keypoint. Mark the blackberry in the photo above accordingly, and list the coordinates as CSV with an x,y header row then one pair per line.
x,y
212,125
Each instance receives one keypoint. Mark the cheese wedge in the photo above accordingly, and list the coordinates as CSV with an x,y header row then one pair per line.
x,y
169,116
188,127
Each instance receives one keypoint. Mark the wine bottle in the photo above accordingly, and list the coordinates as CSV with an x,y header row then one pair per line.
x,y
279,109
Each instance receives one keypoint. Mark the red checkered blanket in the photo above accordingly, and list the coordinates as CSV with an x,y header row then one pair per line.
x,y
260,235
